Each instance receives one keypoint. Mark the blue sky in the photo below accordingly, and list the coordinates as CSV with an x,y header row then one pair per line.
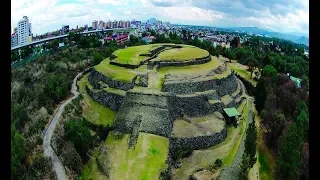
x,y
274,15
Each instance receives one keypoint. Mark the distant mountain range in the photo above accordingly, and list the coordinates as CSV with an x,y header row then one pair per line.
x,y
294,37
255,30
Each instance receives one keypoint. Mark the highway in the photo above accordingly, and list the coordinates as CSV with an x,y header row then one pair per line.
x,y
61,36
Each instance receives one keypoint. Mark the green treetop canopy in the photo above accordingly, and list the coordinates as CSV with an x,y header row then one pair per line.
x,y
231,112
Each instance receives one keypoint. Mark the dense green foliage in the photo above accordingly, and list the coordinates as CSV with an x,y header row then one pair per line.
x,y
251,143
77,132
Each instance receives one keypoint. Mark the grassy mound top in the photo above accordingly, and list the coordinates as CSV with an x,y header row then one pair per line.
x,y
182,54
131,55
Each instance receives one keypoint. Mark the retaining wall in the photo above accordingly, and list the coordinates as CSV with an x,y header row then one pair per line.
x,y
194,143
111,100
249,87
223,86
94,78
156,114
197,105
195,61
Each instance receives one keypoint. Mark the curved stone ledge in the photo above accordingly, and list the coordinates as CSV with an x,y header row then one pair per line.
x,y
95,76
201,142
195,61
223,86
111,100
196,105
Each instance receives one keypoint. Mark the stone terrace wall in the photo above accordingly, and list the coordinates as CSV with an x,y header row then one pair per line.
x,y
195,61
94,78
111,100
223,86
201,142
197,105
157,117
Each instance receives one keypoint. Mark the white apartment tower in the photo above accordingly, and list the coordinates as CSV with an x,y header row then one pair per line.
x,y
24,31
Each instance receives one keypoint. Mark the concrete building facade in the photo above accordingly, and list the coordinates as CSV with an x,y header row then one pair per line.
x,y
24,31
94,24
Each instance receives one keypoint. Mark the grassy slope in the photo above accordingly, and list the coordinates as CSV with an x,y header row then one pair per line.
x,y
205,157
158,77
131,56
181,54
146,161
243,72
91,169
115,72
265,158
92,110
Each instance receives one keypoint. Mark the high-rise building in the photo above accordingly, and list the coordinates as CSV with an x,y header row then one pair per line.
x,y
109,24
115,24
24,31
127,24
102,25
94,24
14,39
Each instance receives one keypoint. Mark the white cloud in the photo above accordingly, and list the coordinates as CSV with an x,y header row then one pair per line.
x,y
47,15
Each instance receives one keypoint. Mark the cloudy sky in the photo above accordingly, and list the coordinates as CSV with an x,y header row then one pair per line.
x,y
275,15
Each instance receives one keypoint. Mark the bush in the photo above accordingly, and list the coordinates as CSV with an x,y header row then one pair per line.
x,y
97,58
78,132
71,158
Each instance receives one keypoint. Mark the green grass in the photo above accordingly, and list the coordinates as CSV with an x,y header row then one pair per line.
x,y
232,153
200,68
225,150
131,56
145,161
243,73
265,158
91,169
181,54
92,110
115,72
115,91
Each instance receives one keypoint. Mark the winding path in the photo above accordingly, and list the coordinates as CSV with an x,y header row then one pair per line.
x,y
232,172
48,151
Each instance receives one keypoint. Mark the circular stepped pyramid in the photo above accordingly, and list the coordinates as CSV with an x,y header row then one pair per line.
x,y
174,91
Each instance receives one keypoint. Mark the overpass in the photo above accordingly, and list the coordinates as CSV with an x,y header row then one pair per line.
x,y
62,36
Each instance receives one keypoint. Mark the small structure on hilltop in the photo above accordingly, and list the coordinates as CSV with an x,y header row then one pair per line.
x,y
296,80
231,115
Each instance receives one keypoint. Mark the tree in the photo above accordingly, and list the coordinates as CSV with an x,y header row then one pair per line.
x,y
252,63
97,58
77,131
244,167
289,159
251,143
144,33
71,158
234,42
18,152
270,71
260,94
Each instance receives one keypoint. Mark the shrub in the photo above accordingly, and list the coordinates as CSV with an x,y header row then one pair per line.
x,y
71,158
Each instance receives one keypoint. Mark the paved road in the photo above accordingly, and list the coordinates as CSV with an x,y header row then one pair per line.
x,y
231,172
48,151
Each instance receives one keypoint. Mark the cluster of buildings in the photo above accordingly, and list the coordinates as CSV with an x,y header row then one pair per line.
x,y
110,24
21,34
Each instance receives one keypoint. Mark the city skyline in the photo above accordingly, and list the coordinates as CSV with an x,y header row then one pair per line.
x,y
280,16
